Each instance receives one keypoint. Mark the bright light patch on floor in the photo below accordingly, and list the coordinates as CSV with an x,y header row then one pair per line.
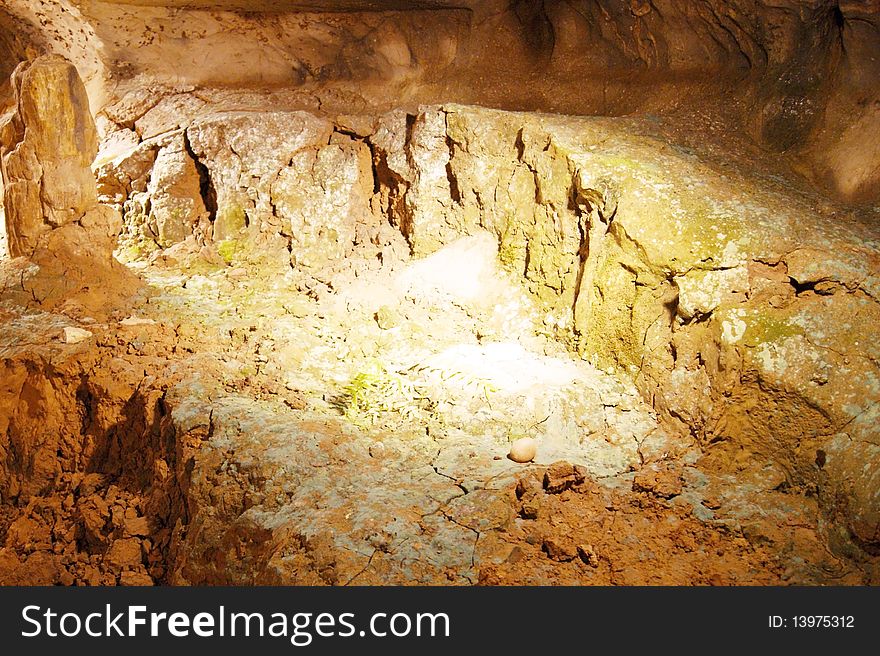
x,y
506,366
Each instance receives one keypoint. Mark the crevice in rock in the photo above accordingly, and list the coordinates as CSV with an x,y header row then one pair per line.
x,y
206,187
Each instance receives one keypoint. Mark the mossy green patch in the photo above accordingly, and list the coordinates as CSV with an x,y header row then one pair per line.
x,y
622,305
763,327
678,227
229,249
706,230
231,218
378,391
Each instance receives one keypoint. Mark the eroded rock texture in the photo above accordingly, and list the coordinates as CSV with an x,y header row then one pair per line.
x,y
356,287
52,214
798,75
49,144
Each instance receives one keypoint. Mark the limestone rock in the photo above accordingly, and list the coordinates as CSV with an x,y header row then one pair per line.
x,y
853,469
47,150
74,335
387,317
664,483
588,555
133,321
560,549
176,205
128,172
321,196
243,153
523,449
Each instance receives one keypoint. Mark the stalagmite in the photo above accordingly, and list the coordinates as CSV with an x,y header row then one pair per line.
x,y
47,150
52,213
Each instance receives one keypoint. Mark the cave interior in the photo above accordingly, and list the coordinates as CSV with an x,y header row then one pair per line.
x,y
439,292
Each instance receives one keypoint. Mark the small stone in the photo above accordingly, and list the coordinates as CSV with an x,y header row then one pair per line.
x,y
136,321
377,450
586,554
387,318
516,554
74,335
523,450
531,508
559,550
561,476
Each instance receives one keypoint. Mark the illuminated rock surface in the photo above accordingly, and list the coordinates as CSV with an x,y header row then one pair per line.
x,y
52,214
348,289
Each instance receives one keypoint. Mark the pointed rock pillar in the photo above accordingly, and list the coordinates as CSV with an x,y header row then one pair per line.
x,y
46,151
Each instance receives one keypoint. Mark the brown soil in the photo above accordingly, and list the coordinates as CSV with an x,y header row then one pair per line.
x,y
101,496
587,534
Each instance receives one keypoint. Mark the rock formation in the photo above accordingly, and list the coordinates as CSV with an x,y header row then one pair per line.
x,y
52,214
49,144
348,288
799,75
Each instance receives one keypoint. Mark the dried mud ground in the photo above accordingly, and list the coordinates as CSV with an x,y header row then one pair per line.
x,y
246,425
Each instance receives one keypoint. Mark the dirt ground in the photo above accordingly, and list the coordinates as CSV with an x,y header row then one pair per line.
x,y
295,474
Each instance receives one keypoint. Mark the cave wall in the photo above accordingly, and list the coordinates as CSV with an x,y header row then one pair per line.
x,y
800,76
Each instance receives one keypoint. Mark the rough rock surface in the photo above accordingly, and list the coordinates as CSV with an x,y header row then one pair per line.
x,y
726,300
52,214
176,206
49,143
261,423
719,291
4,246
214,468
344,300
798,75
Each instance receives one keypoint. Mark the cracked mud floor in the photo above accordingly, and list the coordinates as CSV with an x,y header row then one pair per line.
x,y
351,427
